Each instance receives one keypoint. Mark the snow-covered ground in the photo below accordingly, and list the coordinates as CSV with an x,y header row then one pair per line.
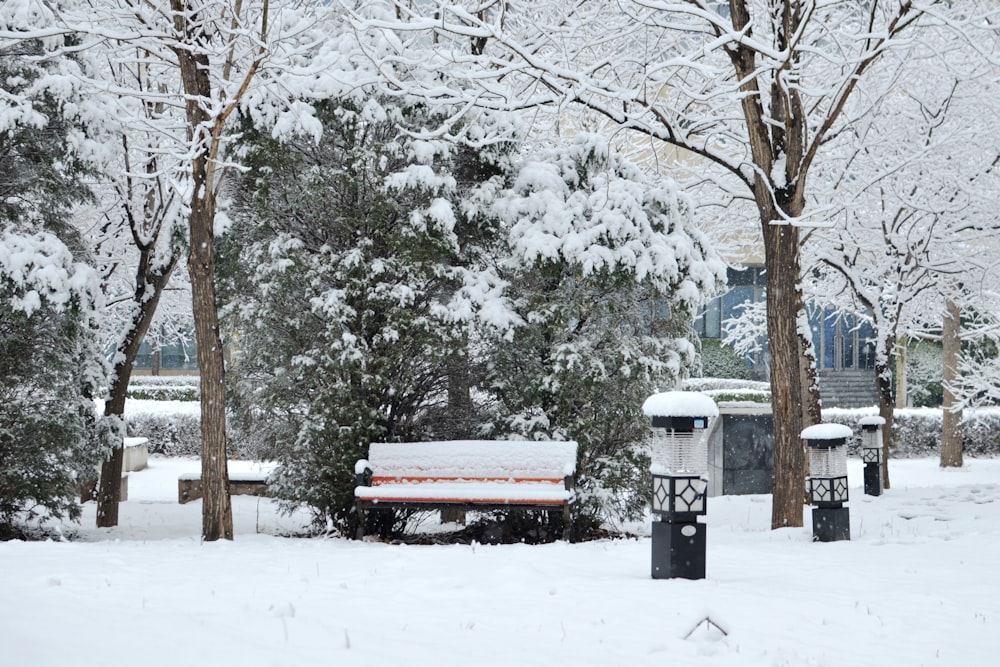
x,y
918,585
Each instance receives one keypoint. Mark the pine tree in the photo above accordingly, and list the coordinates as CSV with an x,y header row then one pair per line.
x,y
50,369
606,274
350,261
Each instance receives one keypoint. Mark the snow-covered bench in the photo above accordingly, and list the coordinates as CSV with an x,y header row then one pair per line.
x,y
467,475
240,484
135,454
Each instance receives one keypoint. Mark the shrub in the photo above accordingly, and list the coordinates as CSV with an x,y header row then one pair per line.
x,y
917,431
721,361
923,374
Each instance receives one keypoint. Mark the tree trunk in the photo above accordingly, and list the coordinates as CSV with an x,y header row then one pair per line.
x,y
886,410
951,421
779,135
149,288
216,510
901,381
155,361
217,514
781,247
811,404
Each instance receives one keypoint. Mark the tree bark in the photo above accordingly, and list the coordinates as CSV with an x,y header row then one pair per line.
x,y
886,410
951,421
811,403
217,514
781,247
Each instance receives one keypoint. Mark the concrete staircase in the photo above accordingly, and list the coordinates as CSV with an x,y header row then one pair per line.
x,y
849,388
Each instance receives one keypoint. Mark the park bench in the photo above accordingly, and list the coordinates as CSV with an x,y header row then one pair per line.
x,y
240,484
467,475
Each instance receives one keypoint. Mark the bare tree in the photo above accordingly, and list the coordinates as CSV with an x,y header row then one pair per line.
x,y
137,241
216,51
917,196
753,90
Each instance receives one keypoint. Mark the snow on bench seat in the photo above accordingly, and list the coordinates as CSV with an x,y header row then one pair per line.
x,y
468,473
463,491
243,483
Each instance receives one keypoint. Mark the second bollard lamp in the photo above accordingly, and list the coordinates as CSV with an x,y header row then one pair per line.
x,y
827,480
679,453
871,453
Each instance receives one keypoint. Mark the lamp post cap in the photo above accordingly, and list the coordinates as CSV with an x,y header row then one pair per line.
x,y
680,404
827,432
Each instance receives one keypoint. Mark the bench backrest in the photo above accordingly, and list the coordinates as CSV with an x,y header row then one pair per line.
x,y
494,460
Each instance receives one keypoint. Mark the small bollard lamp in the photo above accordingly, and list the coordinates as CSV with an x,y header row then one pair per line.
x,y
828,480
679,452
871,453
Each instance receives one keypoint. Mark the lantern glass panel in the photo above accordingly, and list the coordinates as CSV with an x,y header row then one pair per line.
x,y
824,490
675,452
690,494
684,495
871,454
661,494
828,461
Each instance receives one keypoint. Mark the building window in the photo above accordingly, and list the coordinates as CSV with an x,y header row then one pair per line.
x,y
842,341
746,286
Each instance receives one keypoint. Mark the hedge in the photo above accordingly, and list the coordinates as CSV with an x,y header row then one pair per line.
x,y
917,431
179,434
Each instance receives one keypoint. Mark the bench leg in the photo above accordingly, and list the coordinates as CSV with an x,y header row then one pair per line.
x,y
362,518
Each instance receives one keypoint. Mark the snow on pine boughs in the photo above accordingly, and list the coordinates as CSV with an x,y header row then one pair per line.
x,y
605,273
50,370
40,268
582,203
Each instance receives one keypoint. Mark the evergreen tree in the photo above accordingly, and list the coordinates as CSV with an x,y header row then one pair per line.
x,y
40,171
355,269
606,273
50,369
50,364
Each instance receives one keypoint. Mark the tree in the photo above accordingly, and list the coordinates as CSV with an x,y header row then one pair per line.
x,y
50,365
606,274
918,195
42,175
50,371
356,270
136,232
751,89
218,53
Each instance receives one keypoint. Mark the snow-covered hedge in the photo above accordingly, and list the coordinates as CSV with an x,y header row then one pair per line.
x,y
165,388
174,429
723,390
917,431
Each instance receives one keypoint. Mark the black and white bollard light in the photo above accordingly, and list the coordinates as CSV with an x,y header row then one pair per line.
x,y
679,452
871,453
828,480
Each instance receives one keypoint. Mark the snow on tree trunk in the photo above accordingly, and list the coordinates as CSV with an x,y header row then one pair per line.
x,y
886,409
901,380
951,422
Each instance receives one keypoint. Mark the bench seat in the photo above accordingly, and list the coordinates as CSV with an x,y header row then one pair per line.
x,y
240,484
467,475
473,492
